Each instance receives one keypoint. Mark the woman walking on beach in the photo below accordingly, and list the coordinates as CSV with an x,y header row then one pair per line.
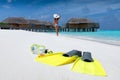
x,y
56,18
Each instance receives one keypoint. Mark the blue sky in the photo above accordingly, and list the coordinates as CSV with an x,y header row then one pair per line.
x,y
106,12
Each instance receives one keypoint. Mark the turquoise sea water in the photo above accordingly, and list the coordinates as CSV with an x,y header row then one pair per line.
x,y
109,37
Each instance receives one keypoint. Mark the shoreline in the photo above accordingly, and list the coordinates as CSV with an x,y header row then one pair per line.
x,y
110,41
93,39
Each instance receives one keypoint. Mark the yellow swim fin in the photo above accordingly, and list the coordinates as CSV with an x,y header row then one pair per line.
x,y
57,59
93,68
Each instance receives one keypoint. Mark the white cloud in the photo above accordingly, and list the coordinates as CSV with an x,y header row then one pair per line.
x,y
6,6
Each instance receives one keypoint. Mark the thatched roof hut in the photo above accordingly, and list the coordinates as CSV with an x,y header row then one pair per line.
x,y
46,26
17,20
81,23
22,23
31,21
40,23
79,20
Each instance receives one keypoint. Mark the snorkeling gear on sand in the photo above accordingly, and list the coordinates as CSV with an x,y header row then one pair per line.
x,y
88,65
39,49
60,58
82,63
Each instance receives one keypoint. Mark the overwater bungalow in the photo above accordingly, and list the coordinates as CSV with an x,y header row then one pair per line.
x,y
15,23
81,24
25,24
34,25
42,26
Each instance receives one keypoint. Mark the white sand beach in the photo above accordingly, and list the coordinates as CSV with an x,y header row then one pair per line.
x,y
17,61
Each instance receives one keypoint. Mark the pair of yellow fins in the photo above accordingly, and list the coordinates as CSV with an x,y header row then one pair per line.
x,y
82,63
